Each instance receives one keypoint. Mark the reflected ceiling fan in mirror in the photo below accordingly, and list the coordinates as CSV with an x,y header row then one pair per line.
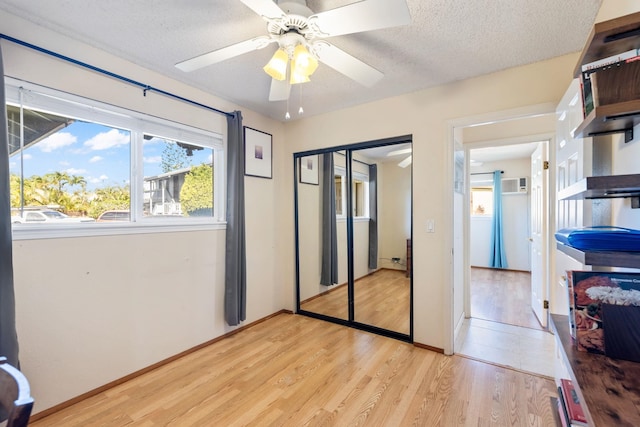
x,y
407,160
300,35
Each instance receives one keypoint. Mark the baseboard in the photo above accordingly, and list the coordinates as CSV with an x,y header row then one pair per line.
x,y
502,269
83,396
428,347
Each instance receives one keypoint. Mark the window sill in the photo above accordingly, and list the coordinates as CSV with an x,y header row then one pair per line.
x,y
355,219
37,231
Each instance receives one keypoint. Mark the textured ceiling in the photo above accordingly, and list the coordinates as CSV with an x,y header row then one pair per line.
x,y
448,40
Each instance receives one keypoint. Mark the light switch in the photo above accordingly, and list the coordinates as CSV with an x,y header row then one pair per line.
x,y
431,226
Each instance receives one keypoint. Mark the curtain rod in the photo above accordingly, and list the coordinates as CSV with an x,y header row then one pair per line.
x,y
483,173
145,87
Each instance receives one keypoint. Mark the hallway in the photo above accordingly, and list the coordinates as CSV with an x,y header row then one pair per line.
x,y
503,329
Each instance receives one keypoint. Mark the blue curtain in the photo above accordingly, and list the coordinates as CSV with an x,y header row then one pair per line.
x,y
498,257
8,334
235,277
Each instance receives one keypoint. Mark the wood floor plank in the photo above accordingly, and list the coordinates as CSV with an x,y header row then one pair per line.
x,y
502,296
294,371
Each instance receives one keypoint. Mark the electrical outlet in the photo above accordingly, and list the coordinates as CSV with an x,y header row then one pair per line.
x,y
395,260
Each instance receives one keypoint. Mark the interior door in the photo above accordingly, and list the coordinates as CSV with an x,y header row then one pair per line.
x,y
539,226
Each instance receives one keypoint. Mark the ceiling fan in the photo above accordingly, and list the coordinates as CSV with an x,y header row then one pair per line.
x,y
407,160
295,28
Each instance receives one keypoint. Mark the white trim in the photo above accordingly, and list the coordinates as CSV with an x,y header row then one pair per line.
x,y
451,125
35,232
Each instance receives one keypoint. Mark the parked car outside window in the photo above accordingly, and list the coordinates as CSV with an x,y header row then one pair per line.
x,y
41,216
114,215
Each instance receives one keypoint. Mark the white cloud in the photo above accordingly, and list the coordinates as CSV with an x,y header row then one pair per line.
x,y
57,140
210,159
95,159
153,159
100,179
27,156
106,140
12,165
64,163
74,171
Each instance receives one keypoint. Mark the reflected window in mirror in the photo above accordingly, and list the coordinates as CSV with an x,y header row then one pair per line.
x,y
339,210
359,193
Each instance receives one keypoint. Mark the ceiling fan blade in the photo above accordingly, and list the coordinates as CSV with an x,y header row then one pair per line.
x,y
224,53
265,8
364,15
280,90
346,64
397,152
406,162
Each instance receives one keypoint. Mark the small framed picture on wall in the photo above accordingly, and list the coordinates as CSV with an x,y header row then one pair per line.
x,y
309,170
257,153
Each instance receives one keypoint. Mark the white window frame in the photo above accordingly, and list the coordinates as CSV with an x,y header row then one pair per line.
x,y
76,107
341,171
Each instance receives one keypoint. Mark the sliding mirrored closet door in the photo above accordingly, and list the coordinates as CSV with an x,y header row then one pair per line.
x,y
353,228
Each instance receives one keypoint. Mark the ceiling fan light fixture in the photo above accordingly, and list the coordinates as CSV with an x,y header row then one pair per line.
x,y
303,65
298,78
277,65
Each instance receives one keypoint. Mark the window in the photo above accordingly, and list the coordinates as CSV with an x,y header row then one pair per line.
x,y
74,160
359,193
482,200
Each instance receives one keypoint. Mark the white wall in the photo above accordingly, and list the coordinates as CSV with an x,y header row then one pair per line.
x,y
515,216
394,214
425,115
91,310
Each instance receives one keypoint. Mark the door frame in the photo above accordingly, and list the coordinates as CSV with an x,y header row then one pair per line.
x,y
452,325
351,322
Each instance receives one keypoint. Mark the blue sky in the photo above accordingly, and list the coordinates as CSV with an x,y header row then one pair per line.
x,y
98,153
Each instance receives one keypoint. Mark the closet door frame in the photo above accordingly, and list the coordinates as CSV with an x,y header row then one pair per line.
x,y
348,149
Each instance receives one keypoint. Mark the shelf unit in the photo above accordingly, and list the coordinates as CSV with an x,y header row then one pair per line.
x,y
608,39
604,187
602,258
609,389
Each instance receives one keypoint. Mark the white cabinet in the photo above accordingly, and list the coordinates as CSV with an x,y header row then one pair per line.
x,y
573,163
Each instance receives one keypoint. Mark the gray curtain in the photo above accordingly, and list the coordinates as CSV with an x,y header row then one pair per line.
x,y
329,273
235,280
373,217
8,334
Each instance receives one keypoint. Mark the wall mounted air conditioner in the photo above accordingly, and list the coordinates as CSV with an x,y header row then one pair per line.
x,y
515,186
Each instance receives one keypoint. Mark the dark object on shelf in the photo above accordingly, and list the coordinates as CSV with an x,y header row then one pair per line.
x,y
607,39
600,238
623,340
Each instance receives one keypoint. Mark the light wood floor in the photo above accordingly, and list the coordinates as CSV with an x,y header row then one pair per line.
x,y
382,299
502,296
296,371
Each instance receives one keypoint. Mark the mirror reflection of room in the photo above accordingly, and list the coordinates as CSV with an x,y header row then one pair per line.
x,y
373,186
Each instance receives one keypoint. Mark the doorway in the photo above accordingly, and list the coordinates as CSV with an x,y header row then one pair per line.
x,y
491,327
